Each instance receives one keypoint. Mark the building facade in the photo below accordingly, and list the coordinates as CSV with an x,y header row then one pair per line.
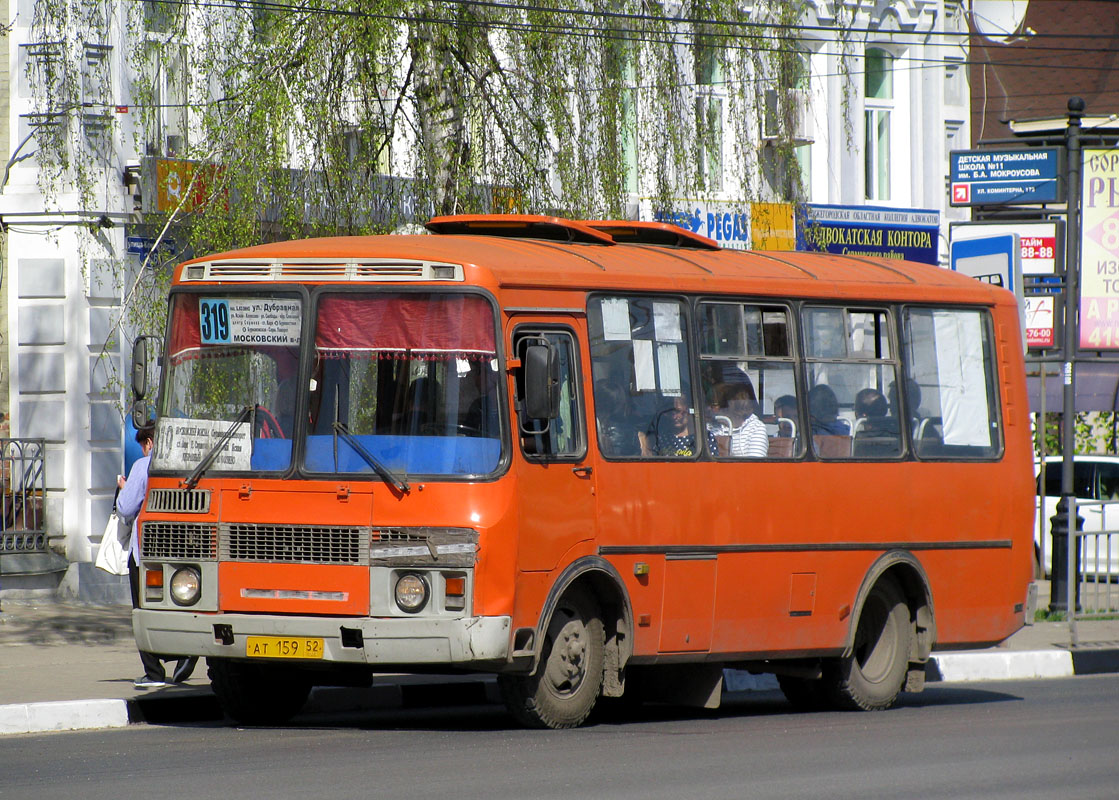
x,y
882,97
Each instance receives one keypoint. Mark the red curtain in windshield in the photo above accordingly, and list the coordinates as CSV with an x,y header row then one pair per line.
x,y
186,339
394,326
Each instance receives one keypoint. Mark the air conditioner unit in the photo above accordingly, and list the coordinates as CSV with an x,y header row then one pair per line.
x,y
797,109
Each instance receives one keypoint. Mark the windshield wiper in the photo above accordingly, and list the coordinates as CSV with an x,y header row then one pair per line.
x,y
387,475
208,459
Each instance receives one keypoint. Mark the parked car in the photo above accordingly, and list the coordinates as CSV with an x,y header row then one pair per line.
x,y
1095,478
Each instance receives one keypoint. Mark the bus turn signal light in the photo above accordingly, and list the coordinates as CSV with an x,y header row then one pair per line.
x,y
456,587
153,585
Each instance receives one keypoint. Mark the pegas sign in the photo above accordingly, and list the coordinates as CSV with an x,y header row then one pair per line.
x,y
727,224
875,231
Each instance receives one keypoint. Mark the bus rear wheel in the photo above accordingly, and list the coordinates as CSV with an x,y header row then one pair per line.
x,y
568,679
871,678
257,694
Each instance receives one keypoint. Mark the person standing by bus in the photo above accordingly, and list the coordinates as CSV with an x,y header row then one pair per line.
x,y
133,489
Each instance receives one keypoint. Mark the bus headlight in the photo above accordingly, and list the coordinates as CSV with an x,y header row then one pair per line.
x,y
411,593
186,586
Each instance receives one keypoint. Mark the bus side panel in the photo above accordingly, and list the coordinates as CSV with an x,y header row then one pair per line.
x,y
795,542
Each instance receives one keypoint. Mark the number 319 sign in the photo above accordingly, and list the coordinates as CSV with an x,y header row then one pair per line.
x,y
264,321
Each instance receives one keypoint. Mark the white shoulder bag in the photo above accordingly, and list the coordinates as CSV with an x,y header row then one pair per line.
x,y
112,555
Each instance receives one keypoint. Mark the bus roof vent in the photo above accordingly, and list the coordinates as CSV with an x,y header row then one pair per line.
x,y
519,226
323,270
656,233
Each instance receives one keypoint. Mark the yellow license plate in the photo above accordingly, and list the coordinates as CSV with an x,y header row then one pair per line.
x,y
283,647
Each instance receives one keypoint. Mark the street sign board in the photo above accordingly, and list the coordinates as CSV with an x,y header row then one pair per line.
x,y
996,260
999,177
1042,242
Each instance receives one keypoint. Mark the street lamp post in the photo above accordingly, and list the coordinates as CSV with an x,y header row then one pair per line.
x,y
1064,524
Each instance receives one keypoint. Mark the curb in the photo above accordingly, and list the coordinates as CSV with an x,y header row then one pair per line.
x,y
200,705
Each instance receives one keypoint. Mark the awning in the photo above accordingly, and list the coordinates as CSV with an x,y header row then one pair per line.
x,y
1097,386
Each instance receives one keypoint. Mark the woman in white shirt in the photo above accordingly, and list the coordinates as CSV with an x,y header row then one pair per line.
x,y
735,428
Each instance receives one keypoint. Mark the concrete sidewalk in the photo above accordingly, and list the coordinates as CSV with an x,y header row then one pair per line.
x,y
66,666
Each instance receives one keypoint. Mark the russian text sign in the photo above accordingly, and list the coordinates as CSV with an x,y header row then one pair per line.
x,y
909,233
994,177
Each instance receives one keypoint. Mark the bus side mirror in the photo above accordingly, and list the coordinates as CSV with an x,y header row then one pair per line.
x,y
140,368
140,356
541,382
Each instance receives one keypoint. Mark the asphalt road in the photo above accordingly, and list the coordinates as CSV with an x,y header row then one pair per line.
x,y
1046,738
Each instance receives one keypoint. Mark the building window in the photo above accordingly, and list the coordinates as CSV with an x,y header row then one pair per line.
x,y
879,100
709,115
787,128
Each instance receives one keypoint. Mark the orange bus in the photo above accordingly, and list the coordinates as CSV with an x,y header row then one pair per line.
x,y
592,458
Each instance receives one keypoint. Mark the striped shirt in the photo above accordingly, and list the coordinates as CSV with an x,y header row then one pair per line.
x,y
748,440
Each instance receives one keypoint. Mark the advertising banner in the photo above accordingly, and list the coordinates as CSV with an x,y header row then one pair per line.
x,y
726,223
1099,250
879,232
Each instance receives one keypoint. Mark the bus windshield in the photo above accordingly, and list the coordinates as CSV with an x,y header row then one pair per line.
x,y
409,378
231,358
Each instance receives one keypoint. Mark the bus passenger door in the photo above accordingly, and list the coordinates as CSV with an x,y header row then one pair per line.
x,y
555,484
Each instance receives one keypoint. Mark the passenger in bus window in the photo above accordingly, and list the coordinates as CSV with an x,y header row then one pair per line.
x,y
618,431
823,412
913,399
673,430
785,411
735,426
870,403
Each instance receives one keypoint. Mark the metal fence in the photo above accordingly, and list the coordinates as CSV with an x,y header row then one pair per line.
x,y
24,490
1093,558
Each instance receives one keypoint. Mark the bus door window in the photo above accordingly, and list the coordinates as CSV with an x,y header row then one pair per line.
x,y
747,374
641,377
850,365
562,436
951,397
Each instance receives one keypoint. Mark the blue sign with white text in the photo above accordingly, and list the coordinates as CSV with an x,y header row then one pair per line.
x,y
994,177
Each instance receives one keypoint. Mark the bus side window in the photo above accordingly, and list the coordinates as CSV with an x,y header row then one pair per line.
x,y
560,437
950,360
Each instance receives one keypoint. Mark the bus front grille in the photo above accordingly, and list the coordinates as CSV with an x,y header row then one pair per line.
x,y
179,540
179,501
294,544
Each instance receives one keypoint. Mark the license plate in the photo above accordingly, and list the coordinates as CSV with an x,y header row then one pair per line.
x,y
283,647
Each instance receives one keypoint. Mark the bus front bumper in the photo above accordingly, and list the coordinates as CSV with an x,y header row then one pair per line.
x,y
344,640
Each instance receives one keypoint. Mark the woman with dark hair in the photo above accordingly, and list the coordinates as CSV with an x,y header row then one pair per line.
x,y
736,428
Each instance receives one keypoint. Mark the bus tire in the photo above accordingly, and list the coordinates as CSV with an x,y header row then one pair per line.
x,y
871,678
257,694
804,694
568,679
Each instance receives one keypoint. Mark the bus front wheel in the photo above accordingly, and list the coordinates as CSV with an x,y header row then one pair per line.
x,y
568,679
257,694
871,677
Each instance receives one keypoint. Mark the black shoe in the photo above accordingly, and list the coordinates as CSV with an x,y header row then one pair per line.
x,y
145,682
183,669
